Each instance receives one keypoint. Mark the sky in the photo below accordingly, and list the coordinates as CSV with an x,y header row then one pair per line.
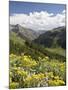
x,y
37,16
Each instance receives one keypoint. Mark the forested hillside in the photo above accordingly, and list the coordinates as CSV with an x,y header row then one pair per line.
x,y
53,38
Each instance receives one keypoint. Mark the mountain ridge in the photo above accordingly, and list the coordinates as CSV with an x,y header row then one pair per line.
x,y
27,33
55,37
51,38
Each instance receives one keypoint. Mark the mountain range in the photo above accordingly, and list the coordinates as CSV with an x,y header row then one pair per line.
x,y
50,38
38,43
26,33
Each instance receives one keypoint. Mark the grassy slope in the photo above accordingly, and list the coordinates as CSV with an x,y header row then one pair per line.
x,y
24,46
58,50
16,38
18,45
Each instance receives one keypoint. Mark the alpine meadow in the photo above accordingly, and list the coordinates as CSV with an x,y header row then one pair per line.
x,y
37,36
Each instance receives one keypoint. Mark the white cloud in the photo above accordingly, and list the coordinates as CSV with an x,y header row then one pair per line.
x,y
39,20
64,11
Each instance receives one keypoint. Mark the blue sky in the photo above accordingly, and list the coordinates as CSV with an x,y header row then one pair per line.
x,y
37,16
17,7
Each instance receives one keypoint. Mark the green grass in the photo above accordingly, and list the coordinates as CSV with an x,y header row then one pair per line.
x,y
16,38
58,51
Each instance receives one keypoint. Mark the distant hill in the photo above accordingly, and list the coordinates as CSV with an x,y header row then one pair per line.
x,y
26,33
53,38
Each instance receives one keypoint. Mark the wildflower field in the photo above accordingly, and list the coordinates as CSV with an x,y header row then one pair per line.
x,y
26,72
